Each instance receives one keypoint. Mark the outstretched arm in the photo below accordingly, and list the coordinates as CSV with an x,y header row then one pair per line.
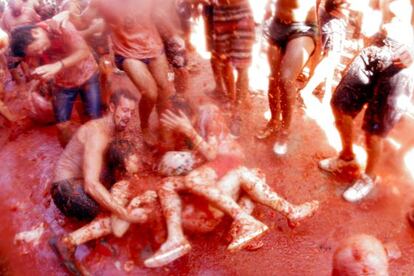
x,y
95,147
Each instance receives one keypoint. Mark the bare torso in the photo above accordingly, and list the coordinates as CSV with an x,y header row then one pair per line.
x,y
70,163
296,11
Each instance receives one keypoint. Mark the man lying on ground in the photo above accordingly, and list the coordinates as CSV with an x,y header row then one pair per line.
x,y
220,180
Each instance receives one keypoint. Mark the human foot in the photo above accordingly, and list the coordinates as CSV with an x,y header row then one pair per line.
x,y
300,212
245,231
168,252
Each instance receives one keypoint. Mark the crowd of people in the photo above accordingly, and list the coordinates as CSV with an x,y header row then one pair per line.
x,y
62,49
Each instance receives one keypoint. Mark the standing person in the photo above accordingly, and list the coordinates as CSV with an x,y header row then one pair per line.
x,y
233,39
380,77
291,36
68,61
138,47
333,21
17,14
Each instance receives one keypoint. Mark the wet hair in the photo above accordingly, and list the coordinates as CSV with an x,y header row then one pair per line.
x,y
118,94
118,151
331,5
21,38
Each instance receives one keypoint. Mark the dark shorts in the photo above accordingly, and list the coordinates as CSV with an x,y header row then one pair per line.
x,y
333,33
280,33
71,199
119,61
372,79
90,94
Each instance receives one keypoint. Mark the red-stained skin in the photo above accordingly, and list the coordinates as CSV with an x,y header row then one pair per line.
x,y
26,172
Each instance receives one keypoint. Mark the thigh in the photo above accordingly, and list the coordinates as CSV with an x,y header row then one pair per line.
x,y
159,69
140,75
391,97
355,88
229,184
274,57
297,54
91,97
63,101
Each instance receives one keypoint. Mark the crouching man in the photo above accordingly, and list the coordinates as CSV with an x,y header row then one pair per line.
x,y
77,190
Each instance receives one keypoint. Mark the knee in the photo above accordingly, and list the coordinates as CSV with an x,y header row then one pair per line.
x,y
167,187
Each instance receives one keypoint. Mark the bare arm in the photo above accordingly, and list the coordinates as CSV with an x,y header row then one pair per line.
x,y
82,20
93,160
182,124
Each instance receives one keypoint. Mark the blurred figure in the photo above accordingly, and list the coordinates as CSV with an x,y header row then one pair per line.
x,y
135,32
360,255
381,77
292,38
18,14
67,60
334,19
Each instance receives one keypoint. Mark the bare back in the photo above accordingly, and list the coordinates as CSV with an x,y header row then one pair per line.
x,y
296,11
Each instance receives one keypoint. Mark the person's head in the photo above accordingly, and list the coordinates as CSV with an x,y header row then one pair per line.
x,y
360,255
29,40
122,104
122,157
16,7
210,120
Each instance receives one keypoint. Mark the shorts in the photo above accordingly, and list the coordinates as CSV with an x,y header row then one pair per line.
x,y
372,79
119,61
234,34
90,94
333,33
71,199
280,33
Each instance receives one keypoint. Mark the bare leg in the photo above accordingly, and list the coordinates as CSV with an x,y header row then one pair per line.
x,y
65,132
217,72
274,57
242,86
203,182
139,74
374,147
254,184
228,77
181,80
176,244
296,56
345,126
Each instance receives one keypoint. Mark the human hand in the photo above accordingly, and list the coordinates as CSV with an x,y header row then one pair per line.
x,y
136,215
178,122
47,72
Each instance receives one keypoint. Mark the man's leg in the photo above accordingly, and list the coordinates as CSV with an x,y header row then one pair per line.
x,y
91,97
142,78
202,181
159,69
63,102
297,54
176,244
228,78
274,56
242,86
374,145
216,66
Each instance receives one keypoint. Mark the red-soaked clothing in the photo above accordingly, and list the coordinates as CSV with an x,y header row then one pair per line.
x,y
65,39
133,32
28,16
